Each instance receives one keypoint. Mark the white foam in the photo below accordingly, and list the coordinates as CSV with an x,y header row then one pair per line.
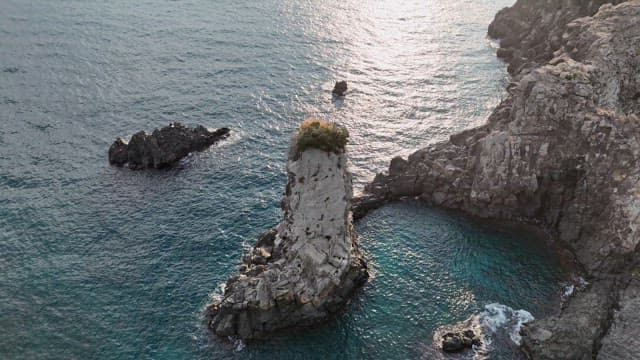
x,y
494,316
498,316
522,317
238,345
235,136
582,283
577,283
218,293
568,290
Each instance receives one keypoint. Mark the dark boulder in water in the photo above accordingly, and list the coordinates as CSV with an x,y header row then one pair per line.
x,y
340,88
458,341
164,147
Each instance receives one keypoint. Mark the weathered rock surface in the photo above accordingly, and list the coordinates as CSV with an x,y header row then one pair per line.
x,y
305,270
530,32
164,147
459,341
363,204
574,334
622,341
340,88
561,151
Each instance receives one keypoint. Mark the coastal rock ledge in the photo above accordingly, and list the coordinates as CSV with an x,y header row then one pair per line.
x,y
561,151
304,270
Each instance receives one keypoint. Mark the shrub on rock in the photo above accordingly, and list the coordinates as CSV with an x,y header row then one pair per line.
x,y
323,135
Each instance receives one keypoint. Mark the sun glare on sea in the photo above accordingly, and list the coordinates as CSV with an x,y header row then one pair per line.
x,y
411,82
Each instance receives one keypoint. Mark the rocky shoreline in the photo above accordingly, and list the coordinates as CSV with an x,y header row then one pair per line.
x,y
560,152
307,268
530,32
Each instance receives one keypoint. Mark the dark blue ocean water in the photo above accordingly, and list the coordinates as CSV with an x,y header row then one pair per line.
x,y
107,263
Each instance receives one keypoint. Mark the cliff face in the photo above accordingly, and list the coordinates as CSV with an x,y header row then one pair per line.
x,y
561,151
531,31
305,270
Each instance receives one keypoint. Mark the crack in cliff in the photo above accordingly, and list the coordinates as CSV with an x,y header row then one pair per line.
x,y
606,324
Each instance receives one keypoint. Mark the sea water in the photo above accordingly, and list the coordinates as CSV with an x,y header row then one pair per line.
x,y
108,263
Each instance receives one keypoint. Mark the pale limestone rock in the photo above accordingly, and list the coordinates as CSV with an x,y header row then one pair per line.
x,y
305,270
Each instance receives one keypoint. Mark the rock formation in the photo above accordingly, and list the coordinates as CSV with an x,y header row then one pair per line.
x,y
340,88
561,151
459,341
164,147
306,269
530,32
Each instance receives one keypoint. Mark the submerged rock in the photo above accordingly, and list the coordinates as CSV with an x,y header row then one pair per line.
x,y
561,151
340,88
164,147
306,269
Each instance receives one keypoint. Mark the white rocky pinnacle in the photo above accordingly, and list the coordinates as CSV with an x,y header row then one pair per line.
x,y
305,270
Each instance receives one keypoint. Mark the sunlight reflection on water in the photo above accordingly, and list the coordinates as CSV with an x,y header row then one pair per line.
x,y
418,71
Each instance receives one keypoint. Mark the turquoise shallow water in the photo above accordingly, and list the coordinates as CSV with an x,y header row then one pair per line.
x,y
100,262
429,269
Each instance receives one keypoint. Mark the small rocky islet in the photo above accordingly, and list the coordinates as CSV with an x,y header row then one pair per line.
x,y
164,147
560,152
459,341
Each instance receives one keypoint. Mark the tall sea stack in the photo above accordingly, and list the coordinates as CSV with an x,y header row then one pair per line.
x,y
306,269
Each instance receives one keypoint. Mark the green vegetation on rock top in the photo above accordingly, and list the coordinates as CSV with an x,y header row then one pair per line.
x,y
322,135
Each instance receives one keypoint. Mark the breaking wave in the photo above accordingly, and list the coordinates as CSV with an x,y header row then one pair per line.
x,y
498,325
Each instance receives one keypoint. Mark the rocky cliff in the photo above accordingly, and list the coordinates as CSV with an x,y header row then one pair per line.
x,y
560,151
305,270
530,32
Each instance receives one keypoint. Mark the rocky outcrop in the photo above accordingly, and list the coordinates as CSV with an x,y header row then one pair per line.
x,y
340,88
576,333
164,147
363,204
530,32
306,269
561,151
459,341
